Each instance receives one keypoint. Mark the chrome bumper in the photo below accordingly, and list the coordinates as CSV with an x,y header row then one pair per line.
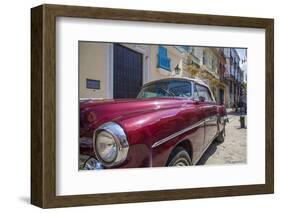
x,y
89,163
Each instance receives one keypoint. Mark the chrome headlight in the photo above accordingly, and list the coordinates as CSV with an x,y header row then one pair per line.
x,y
106,146
110,144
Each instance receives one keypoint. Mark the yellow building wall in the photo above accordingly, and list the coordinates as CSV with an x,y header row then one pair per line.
x,y
96,62
93,64
173,54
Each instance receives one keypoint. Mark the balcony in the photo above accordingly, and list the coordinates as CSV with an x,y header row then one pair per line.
x,y
192,59
228,76
210,71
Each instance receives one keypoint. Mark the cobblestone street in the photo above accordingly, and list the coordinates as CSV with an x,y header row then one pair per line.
x,y
233,149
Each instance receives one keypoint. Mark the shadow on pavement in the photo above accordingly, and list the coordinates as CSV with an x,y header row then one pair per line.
x,y
236,113
209,152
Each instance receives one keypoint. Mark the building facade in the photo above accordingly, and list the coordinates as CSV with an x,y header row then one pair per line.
x,y
220,69
233,76
208,64
113,70
119,70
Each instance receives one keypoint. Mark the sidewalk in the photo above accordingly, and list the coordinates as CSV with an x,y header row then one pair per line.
x,y
231,113
233,150
232,110
228,110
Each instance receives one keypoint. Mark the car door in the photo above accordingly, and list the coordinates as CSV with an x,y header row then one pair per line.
x,y
191,115
209,111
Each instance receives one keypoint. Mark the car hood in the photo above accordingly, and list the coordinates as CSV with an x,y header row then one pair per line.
x,y
96,112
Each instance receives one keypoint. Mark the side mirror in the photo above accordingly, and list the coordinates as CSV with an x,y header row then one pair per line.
x,y
201,98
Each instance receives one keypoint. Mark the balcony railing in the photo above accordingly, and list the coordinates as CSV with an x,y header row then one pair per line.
x,y
210,70
228,75
192,59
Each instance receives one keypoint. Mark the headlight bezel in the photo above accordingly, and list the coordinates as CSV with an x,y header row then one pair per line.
x,y
120,138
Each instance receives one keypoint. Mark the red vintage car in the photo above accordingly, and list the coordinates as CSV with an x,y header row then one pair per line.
x,y
171,123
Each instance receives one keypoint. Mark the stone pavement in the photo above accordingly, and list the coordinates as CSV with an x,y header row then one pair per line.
x,y
234,148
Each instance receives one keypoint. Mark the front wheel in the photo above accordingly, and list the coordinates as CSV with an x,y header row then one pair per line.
x,y
179,157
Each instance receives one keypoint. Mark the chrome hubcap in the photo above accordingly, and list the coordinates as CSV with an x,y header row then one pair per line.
x,y
181,162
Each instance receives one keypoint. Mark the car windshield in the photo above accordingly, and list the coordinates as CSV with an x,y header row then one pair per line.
x,y
175,88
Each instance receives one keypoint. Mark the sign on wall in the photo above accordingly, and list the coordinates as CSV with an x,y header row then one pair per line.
x,y
92,84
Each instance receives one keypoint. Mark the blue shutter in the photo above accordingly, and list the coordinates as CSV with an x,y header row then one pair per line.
x,y
164,61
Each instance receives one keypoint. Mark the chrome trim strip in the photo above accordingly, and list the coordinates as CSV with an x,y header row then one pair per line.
x,y
178,133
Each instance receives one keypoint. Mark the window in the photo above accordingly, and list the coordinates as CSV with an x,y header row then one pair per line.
x,y
202,91
180,88
163,59
175,88
213,65
204,58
